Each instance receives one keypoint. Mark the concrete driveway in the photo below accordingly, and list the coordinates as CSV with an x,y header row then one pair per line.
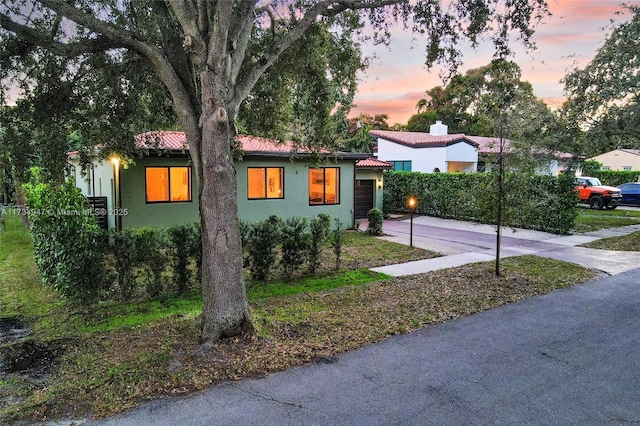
x,y
568,357
467,242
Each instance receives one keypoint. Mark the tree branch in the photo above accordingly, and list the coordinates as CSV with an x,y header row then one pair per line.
x,y
32,37
326,8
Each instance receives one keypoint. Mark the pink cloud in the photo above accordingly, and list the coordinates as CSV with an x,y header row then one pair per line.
x,y
396,80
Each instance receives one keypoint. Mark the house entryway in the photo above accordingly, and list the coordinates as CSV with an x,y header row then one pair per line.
x,y
364,197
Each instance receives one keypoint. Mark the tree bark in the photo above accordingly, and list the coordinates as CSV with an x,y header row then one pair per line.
x,y
226,310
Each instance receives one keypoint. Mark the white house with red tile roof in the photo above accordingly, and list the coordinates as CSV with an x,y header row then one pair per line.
x,y
436,151
160,190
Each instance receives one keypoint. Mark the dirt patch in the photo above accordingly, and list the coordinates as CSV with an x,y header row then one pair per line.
x,y
29,358
18,355
13,329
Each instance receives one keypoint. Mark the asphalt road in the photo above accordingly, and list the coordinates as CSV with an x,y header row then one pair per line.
x,y
568,357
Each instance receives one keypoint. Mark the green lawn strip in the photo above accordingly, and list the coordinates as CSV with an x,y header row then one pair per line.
x,y
258,291
593,220
630,242
118,369
113,315
22,291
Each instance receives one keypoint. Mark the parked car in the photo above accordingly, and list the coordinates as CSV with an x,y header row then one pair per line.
x,y
630,193
595,194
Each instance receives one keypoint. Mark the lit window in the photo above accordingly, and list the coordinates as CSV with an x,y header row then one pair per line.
x,y
265,182
168,184
324,186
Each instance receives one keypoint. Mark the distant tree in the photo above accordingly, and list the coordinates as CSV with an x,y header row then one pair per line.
x,y
467,103
358,138
603,99
422,121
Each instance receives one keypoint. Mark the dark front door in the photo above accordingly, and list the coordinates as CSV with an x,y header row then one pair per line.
x,y
364,197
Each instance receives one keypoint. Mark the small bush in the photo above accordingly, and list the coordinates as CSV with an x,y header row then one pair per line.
x,y
375,218
181,250
337,242
295,240
125,261
263,239
320,227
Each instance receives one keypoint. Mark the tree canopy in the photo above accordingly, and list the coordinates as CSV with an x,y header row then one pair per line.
x,y
205,57
603,98
471,102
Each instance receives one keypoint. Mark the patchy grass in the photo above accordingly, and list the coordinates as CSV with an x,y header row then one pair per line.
x,y
591,220
630,242
118,355
113,369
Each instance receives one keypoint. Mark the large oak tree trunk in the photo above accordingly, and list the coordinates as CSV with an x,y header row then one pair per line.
x,y
225,311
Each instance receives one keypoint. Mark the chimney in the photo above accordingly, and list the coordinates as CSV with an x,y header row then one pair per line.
x,y
438,129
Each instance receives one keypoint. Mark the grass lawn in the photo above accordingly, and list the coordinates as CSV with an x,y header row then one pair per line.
x,y
592,220
630,242
115,356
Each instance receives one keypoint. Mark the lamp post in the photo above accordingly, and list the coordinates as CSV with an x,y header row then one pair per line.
x,y
411,203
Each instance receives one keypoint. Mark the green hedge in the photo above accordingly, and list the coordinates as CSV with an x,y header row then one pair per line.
x,y
616,178
66,238
543,203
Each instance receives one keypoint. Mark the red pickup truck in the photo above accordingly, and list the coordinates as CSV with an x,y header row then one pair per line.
x,y
595,194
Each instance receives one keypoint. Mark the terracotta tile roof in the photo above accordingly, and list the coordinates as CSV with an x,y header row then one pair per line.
x,y
489,145
373,163
420,139
162,140
177,141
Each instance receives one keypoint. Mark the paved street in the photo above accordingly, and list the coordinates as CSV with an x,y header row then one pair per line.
x,y
567,357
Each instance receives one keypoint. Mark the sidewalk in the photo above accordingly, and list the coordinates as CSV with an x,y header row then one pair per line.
x,y
462,243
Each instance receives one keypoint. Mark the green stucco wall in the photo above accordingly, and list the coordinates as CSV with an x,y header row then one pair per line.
x,y
370,174
157,215
294,203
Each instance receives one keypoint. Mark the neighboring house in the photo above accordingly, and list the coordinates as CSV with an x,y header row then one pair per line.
x,y
160,189
489,148
619,159
438,151
435,151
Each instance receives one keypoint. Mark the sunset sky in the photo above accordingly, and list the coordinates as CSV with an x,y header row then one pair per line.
x,y
397,78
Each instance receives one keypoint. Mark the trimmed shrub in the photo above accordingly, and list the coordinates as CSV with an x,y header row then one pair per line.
x,y
263,239
182,244
616,178
66,239
320,228
336,242
295,240
125,261
375,218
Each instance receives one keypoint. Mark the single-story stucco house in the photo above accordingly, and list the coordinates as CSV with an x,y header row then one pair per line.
x,y
160,190
619,159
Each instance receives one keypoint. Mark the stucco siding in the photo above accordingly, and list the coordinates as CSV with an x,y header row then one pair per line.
x,y
97,183
618,160
295,201
139,213
296,193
